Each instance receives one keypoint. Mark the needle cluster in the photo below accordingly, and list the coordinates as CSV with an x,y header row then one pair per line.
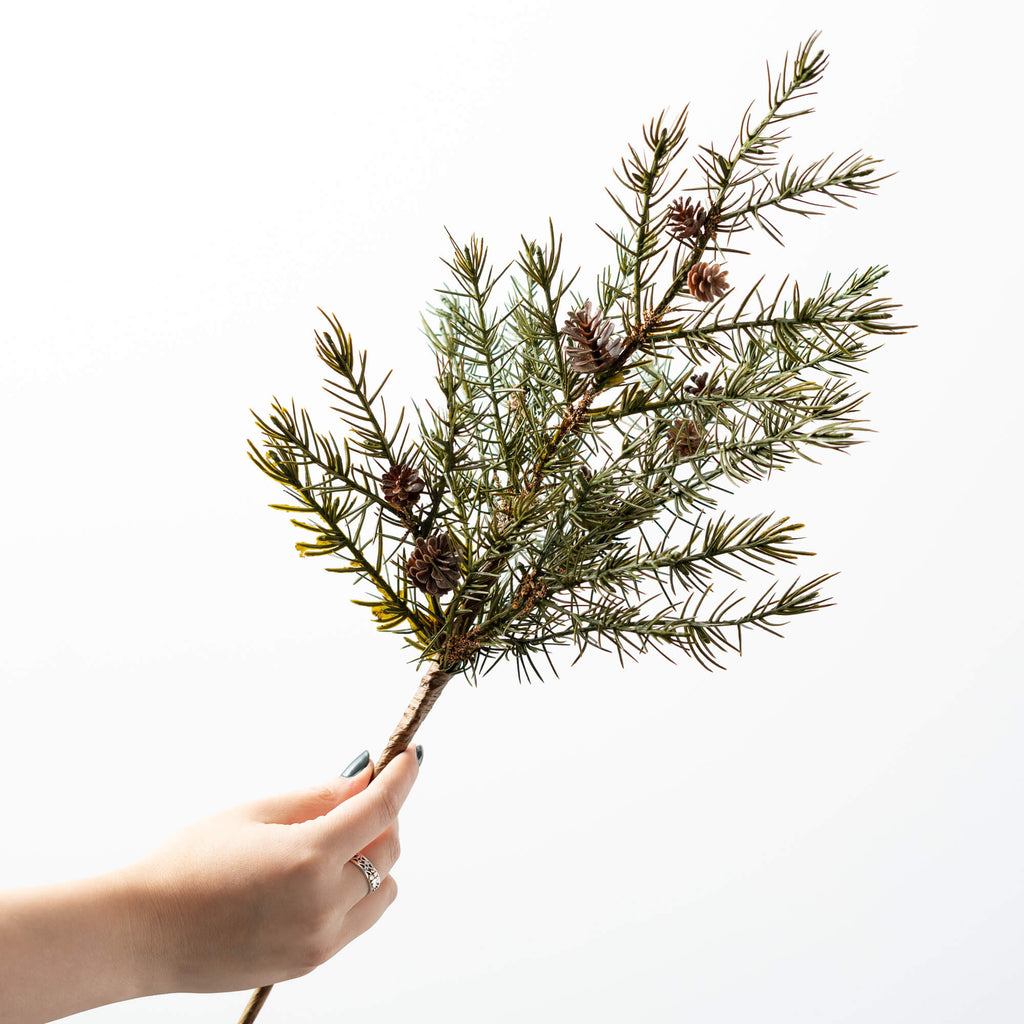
x,y
559,489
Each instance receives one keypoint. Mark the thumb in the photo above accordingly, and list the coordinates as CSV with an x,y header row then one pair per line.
x,y
308,803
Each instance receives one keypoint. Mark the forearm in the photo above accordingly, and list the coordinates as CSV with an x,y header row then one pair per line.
x,y
70,947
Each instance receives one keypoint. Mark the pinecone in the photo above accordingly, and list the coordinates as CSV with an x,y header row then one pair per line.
x,y
595,348
684,436
502,515
402,486
434,566
707,282
685,220
700,386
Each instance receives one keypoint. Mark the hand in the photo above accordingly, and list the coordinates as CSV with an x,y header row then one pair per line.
x,y
265,892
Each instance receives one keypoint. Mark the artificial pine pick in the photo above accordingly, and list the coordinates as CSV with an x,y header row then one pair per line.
x,y
564,469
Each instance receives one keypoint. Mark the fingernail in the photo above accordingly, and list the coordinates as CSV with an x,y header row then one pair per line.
x,y
419,753
357,765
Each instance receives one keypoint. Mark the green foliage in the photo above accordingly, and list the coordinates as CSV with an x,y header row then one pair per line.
x,y
564,492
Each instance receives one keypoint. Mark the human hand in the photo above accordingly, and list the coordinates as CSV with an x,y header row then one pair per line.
x,y
265,892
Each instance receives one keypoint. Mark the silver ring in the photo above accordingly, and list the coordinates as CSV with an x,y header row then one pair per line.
x,y
372,876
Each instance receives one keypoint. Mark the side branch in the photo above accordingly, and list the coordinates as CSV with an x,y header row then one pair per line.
x,y
372,433
573,417
853,175
292,432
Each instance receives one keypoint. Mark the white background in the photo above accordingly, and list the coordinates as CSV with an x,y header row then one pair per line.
x,y
828,831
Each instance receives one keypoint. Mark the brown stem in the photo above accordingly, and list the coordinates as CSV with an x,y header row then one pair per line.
x,y
431,685
570,421
255,1004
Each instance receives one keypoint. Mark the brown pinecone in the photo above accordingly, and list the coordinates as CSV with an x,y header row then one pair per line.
x,y
434,566
402,486
700,386
707,282
684,436
595,349
686,219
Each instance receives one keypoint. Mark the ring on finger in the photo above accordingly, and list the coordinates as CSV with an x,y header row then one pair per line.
x,y
367,868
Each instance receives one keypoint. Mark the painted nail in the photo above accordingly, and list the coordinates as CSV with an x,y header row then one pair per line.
x,y
357,765
419,753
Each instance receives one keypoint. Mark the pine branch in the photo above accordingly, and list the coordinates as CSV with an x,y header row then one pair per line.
x,y
333,529
851,176
371,435
485,358
756,146
645,176
612,285
698,638
753,542
539,503
841,315
631,630
539,266
448,444
290,437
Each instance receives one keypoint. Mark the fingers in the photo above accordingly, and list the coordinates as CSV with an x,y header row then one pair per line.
x,y
368,911
306,804
382,853
357,822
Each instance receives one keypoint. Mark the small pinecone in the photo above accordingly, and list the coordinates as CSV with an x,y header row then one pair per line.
x,y
700,386
502,515
595,349
402,486
685,220
434,566
684,436
707,282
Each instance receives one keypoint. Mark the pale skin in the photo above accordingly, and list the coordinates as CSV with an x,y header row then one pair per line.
x,y
255,895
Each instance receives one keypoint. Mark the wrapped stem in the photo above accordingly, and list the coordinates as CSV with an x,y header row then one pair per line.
x,y
431,685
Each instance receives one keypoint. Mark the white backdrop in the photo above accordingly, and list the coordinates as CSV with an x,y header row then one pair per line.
x,y
828,831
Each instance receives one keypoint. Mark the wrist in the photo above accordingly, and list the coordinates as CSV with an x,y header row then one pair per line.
x,y
69,947
145,920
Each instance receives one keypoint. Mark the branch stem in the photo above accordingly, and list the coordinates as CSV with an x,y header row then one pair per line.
x,y
429,689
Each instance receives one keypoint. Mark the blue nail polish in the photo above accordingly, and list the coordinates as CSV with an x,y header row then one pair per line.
x,y
357,765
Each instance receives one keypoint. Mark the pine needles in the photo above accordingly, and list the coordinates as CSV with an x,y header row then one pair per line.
x,y
578,444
